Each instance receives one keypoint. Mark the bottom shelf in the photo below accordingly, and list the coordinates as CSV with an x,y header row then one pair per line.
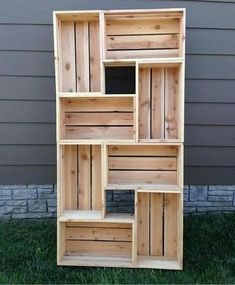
x,y
158,262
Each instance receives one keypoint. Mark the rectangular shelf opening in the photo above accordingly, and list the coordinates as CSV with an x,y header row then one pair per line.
x,y
79,53
141,166
120,201
159,229
143,35
97,118
101,241
160,101
80,183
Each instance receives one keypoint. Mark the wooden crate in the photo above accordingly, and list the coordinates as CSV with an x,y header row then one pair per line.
x,y
115,140
97,118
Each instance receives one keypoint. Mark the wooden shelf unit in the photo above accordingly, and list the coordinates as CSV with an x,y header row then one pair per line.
x,y
108,141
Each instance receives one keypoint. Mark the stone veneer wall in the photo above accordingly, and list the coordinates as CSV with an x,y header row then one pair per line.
x,y
39,201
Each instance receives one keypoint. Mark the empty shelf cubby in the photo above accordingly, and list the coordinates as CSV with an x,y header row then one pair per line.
x,y
97,118
160,101
153,34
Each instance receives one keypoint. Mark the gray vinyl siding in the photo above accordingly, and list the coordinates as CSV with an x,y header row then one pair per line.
x,y
27,93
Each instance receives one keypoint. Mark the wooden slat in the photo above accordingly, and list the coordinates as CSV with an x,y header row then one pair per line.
x,y
82,56
157,108
156,224
122,54
111,234
98,248
99,132
153,163
96,187
70,176
94,56
142,26
142,42
142,150
131,176
67,65
103,119
170,225
99,224
144,103
84,180
143,224
171,97
101,105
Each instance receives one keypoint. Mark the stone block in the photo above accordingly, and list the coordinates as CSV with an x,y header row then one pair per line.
x,y
221,198
198,193
36,206
51,203
24,194
33,215
5,192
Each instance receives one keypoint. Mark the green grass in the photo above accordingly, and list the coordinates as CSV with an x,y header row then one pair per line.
x,y
28,255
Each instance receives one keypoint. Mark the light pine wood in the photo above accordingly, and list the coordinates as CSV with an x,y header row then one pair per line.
x,y
94,56
84,179
170,225
156,224
82,56
120,141
144,103
67,66
143,224
96,185
158,102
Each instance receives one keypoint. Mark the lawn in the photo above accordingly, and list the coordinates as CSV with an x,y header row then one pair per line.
x,y
28,255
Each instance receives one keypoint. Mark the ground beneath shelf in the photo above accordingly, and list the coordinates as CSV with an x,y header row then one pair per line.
x,y
28,255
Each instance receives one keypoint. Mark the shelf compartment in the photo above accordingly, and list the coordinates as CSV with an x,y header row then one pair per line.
x,y
78,55
160,99
143,35
97,118
144,165
96,241
159,229
80,184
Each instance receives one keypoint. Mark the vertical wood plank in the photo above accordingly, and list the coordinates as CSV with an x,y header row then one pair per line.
x,y
70,168
157,112
96,177
144,103
84,180
67,66
156,224
171,97
94,56
82,56
143,224
170,225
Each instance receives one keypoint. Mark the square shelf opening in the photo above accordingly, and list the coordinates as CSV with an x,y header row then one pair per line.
x,y
136,166
120,201
143,34
160,101
159,229
120,80
101,242
80,182
97,118
78,52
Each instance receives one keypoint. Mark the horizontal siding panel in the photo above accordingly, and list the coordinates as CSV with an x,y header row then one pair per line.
x,y
26,37
209,156
26,174
21,133
26,63
28,154
210,67
27,88
198,135
208,41
209,175
27,111
211,15
210,114
217,91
